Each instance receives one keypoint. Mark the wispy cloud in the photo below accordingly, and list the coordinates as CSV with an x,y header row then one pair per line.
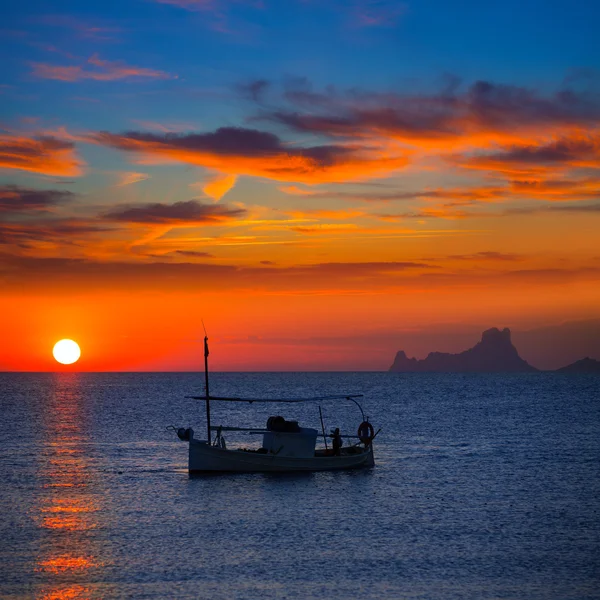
x,y
488,256
22,272
18,200
44,154
58,232
577,149
130,177
99,31
219,10
378,13
180,213
96,69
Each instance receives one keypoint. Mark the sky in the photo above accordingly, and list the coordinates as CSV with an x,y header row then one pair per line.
x,y
321,182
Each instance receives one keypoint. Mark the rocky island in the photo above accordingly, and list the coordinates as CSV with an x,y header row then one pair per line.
x,y
585,365
495,353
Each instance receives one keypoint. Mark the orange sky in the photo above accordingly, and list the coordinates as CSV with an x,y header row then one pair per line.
x,y
318,221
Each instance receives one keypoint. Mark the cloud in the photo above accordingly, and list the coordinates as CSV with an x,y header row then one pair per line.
x,y
96,69
56,231
294,190
326,228
46,155
560,208
448,212
180,213
241,151
484,113
15,199
488,256
192,254
57,272
325,214
213,6
96,31
576,150
217,187
460,196
217,10
52,274
182,253
556,189
378,13
130,177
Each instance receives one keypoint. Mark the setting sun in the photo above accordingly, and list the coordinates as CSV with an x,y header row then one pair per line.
x,y
66,352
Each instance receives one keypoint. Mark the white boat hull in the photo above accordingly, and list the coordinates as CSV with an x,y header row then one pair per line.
x,y
204,458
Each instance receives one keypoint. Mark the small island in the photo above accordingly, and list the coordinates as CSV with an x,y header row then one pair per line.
x,y
585,365
495,353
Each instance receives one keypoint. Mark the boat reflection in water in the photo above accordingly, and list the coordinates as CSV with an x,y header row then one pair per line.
x,y
67,514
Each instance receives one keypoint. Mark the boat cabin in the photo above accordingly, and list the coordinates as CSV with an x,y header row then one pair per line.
x,y
287,438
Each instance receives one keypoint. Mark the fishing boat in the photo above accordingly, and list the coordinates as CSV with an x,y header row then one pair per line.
x,y
286,447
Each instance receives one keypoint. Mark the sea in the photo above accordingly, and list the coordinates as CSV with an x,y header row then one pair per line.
x,y
485,487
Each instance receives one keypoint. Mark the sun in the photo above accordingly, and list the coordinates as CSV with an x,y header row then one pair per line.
x,y
66,352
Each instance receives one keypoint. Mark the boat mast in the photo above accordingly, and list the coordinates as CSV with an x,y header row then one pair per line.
x,y
206,385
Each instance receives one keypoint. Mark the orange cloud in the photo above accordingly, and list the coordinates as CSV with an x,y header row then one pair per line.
x,y
369,277
217,187
325,214
130,177
327,228
294,190
96,69
557,189
475,117
45,154
574,150
240,151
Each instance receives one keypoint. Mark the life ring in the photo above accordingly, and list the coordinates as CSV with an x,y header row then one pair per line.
x,y
366,433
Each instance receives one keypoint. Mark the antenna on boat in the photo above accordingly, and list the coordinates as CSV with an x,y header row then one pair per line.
x,y
206,353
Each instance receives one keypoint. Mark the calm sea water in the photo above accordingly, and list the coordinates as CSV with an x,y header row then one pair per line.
x,y
485,487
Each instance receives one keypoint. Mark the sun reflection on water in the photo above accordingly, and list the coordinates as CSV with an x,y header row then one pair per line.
x,y
68,593
68,509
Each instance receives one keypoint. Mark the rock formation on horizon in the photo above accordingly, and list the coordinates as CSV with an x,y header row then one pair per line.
x,y
495,353
585,365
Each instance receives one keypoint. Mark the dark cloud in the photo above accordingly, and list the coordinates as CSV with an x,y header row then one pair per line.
x,y
189,212
254,90
577,150
58,231
192,254
225,141
15,199
484,107
243,151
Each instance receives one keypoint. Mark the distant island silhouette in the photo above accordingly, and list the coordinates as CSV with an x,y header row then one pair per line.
x,y
495,353
585,365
